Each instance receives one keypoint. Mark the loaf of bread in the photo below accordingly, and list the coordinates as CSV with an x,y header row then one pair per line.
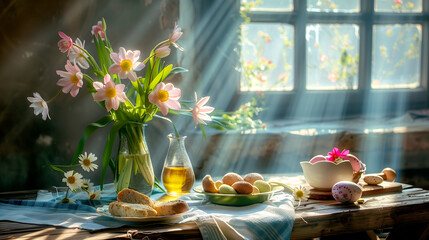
x,y
130,196
170,207
122,209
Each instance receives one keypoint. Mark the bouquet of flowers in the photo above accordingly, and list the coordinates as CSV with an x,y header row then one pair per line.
x,y
129,107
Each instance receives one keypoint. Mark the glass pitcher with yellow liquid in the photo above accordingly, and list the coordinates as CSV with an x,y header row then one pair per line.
x,y
177,175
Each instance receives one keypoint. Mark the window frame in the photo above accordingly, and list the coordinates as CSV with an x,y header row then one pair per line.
x,y
366,19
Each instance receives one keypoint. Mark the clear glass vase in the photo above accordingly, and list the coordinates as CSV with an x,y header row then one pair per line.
x,y
177,175
133,168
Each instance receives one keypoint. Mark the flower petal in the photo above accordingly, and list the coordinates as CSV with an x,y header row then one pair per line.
x,y
138,66
122,53
173,104
132,76
164,108
97,85
114,68
114,56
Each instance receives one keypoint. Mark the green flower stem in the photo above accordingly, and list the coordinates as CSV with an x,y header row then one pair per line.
x,y
56,95
88,79
168,120
140,154
159,44
74,165
89,58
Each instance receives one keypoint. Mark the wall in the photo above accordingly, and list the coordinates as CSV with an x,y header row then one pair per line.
x,y
29,57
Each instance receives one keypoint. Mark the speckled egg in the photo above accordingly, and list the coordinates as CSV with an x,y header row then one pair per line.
x,y
372,179
346,192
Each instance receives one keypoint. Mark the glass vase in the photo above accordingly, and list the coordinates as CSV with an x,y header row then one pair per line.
x,y
133,165
177,174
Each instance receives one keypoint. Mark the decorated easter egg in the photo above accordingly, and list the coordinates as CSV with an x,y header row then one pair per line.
x,y
372,179
346,192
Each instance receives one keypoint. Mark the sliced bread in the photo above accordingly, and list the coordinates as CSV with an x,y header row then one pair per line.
x,y
123,209
170,207
130,196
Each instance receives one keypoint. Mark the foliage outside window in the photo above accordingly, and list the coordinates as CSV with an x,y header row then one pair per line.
x,y
334,35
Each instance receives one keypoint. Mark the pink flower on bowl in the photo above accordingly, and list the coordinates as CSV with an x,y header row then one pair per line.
x,y
322,172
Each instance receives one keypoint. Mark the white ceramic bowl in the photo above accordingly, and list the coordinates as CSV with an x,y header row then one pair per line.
x,y
323,175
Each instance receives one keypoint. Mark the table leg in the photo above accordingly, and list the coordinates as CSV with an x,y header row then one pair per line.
x,y
418,231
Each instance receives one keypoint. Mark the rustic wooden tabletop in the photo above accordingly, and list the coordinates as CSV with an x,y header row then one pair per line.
x,y
395,212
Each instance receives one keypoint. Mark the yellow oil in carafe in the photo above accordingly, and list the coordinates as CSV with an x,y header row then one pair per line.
x,y
178,180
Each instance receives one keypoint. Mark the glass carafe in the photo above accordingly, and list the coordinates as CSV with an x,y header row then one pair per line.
x,y
177,175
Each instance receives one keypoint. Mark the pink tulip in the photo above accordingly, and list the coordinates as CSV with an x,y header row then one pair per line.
x,y
98,29
126,63
165,96
112,94
162,52
71,80
65,43
200,112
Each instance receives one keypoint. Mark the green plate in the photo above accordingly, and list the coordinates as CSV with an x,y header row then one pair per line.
x,y
238,199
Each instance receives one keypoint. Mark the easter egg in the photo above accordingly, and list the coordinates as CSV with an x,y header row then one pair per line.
x,y
346,192
226,189
262,186
252,177
242,187
372,179
255,189
231,178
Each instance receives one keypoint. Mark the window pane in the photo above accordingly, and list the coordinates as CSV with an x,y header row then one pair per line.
x,y
333,6
396,56
332,56
271,5
266,57
398,6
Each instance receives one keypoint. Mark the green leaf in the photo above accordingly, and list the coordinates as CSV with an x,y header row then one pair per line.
x,y
177,70
103,55
203,131
108,148
147,75
56,169
156,67
161,76
90,129
158,185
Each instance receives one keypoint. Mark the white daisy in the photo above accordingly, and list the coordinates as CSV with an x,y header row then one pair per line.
x,y
39,105
86,161
66,200
94,195
301,194
87,185
73,180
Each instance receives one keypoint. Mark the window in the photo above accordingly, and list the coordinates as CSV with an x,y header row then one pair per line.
x,y
360,52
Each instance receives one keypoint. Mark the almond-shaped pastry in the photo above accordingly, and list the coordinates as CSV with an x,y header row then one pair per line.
x,y
209,185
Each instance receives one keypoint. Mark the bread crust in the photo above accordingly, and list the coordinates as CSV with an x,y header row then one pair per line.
x,y
122,209
130,196
171,207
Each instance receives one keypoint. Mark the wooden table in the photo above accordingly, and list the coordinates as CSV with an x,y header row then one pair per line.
x,y
405,215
